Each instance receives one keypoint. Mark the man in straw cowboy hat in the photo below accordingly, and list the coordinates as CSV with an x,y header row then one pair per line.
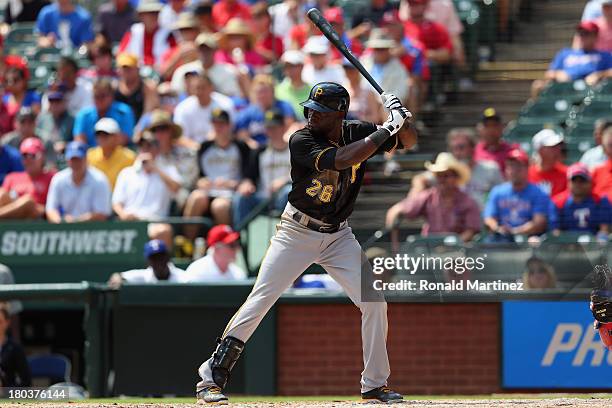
x,y
237,45
446,208
186,30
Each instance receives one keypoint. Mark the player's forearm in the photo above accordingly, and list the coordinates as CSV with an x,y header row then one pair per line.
x,y
358,152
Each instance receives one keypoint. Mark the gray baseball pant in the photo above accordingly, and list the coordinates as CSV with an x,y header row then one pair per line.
x,y
293,249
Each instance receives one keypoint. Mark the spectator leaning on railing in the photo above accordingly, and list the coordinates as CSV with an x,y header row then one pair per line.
x,y
579,209
79,192
517,207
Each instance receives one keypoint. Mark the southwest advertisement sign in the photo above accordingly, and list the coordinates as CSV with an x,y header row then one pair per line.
x,y
552,345
43,243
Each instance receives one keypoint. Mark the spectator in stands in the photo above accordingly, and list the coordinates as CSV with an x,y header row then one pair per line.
x,y
101,56
320,68
77,91
138,94
596,156
224,164
368,16
218,264
16,92
582,62
237,46
604,24
592,10
225,10
15,306
548,171
579,209
226,78
250,121
55,125
269,173
517,207
169,14
193,113
602,175
114,19
109,156
168,99
386,69
23,194
292,88
365,102
490,146
444,13
23,11
6,119
14,368
203,13
446,208
64,25
335,16
104,106
485,174
171,153
144,191
79,192
285,16
24,128
267,44
434,36
147,40
159,269
10,161
187,30
539,275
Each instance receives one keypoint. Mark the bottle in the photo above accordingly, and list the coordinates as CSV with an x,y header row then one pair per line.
x,y
199,248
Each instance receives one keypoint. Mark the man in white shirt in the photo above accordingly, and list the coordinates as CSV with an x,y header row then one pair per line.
x,y
160,268
319,69
193,113
79,192
596,156
217,266
78,93
225,77
144,190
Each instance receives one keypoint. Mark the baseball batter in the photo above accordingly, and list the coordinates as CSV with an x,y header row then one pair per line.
x,y
327,168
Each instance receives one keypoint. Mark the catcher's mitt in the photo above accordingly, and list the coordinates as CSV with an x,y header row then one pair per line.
x,y
601,296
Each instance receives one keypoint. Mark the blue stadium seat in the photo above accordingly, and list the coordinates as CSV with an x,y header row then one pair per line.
x,y
55,367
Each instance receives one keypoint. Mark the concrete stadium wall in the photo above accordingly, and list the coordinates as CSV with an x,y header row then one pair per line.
x,y
433,348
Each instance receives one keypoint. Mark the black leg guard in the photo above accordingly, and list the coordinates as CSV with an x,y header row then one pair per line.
x,y
224,358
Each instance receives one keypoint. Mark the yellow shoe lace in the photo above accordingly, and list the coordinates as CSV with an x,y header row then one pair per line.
x,y
214,390
386,389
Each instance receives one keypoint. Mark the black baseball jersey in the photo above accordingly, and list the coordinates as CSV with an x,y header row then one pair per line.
x,y
318,189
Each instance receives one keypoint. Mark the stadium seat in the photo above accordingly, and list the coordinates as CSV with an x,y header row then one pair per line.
x,y
54,367
572,262
581,130
595,108
521,132
573,91
603,90
48,55
20,33
543,111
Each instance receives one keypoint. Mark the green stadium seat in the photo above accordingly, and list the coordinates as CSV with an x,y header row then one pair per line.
x,y
20,33
519,132
554,111
595,108
47,55
581,130
603,90
574,91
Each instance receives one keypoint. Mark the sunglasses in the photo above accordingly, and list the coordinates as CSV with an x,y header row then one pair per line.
x,y
30,155
161,127
446,175
460,146
233,245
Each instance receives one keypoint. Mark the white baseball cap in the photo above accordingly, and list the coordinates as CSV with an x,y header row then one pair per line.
x,y
546,138
107,125
316,45
293,57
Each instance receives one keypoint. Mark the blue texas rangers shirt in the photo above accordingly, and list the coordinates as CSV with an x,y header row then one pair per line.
x,y
586,215
580,63
515,208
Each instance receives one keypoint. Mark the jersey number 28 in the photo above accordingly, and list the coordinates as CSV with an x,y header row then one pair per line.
x,y
326,191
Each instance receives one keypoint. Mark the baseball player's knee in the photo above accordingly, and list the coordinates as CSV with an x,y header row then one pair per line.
x,y
227,353
373,307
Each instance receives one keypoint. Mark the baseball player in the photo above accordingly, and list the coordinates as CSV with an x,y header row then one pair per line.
x,y
601,303
327,168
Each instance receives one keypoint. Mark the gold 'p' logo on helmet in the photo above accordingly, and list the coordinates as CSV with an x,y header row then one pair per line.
x,y
318,92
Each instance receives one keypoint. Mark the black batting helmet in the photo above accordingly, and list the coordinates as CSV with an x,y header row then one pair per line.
x,y
327,97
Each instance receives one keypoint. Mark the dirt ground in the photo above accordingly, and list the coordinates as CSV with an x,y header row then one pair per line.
x,y
460,403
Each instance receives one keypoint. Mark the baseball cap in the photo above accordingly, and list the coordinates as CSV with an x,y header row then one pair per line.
x,y
55,96
31,145
316,45
334,15
578,170
546,138
222,233
490,114
76,149
26,113
154,247
219,115
107,125
293,57
127,60
273,117
587,27
518,155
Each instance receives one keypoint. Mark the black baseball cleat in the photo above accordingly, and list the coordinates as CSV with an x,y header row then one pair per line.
x,y
382,394
211,395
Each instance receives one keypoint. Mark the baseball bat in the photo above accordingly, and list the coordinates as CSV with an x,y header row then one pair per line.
x,y
322,24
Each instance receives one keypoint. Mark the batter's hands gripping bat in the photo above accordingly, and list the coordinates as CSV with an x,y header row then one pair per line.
x,y
322,24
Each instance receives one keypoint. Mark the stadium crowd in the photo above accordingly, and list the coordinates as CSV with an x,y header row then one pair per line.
x,y
185,109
